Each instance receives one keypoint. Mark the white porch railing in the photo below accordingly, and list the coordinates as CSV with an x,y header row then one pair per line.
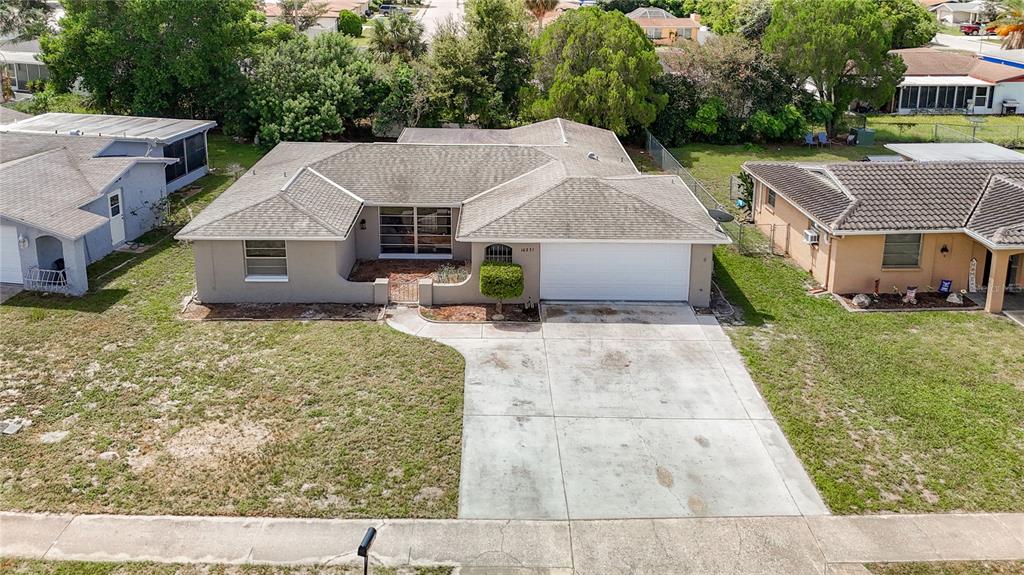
x,y
55,281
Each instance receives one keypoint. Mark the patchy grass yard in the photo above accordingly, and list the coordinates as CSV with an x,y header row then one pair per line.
x,y
950,568
134,411
891,412
24,567
1002,130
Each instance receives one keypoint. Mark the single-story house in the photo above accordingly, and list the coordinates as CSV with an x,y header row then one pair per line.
x,y
948,152
662,27
942,81
561,199
900,224
974,12
74,187
328,21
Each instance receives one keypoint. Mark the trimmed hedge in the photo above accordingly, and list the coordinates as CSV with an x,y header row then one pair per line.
x,y
350,24
501,280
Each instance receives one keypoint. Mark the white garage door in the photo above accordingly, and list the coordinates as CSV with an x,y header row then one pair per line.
x,y
10,258
605,271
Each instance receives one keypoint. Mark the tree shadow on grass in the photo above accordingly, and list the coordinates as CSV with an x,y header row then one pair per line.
x,y
734,294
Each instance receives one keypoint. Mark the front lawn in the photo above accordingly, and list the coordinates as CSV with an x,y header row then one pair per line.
x,y
949,568
26,567
134,411
889,412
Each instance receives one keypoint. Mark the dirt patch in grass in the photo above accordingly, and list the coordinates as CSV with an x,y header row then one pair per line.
x,y
324,311
925,300
480,312
32,567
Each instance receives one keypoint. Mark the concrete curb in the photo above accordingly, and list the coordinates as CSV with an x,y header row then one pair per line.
x,y
754,545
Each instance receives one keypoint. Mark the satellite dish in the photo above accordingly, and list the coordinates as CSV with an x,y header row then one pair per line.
x,y
720,216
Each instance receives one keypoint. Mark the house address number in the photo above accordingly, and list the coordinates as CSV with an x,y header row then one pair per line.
x,y
526,249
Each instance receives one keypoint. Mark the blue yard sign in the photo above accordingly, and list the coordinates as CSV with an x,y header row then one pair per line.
x,y
945,286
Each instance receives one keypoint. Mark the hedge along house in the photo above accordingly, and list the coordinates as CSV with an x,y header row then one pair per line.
x,y
559,198
898,223
69,197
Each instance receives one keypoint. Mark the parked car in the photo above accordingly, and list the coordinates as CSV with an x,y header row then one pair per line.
x,y
972,29
386,9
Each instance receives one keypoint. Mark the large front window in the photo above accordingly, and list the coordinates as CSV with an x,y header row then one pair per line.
x,y
266,260
416,231
902,251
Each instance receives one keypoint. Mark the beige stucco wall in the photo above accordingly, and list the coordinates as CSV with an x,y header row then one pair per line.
x,y
702,264
526,255
812,257
316,274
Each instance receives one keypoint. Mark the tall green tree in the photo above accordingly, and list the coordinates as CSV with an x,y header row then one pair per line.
x,y
597,68
177,58
480,67
397,36
721,16
912,25
407,100
22,20
840,46
306,90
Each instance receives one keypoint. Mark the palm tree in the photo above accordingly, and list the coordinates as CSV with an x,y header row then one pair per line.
x,y
539,9
1010,24
397,35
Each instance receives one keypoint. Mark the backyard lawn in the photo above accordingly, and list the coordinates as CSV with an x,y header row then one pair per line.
x,y
1002,130
891,412
135,411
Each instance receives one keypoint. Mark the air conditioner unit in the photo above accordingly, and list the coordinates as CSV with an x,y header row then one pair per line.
x,y
810,237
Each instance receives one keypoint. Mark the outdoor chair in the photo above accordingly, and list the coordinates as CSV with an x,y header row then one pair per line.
x,y
823,139
809,139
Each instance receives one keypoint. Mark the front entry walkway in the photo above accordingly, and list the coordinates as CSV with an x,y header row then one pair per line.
x,y
616,411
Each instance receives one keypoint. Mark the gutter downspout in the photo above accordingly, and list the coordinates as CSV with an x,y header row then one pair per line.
x,y
828,263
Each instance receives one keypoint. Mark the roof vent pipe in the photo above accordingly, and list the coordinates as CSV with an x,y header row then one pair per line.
x,y
592,155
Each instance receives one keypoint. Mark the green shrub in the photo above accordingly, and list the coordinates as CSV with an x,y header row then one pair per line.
x,y
501,281
350,24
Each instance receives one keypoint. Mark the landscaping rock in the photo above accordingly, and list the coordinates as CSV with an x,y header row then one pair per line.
x,y
109,456
12,426
53,436
862,301
955,298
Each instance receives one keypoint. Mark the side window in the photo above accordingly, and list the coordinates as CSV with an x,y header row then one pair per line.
x,y
498,253
901,251
771,197
115,205
266,259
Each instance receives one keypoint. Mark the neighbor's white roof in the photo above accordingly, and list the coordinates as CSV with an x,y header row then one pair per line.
x,y
943,81
973,152
120,127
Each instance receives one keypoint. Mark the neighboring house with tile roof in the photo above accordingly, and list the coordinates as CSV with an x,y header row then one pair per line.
x,y
953,82
74,187
898,223
957,12
662,27
559,198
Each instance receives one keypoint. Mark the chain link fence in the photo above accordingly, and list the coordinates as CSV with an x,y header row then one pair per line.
x,y
899,130
748,237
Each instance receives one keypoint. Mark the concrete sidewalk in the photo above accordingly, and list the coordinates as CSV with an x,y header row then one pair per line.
x,y
740,545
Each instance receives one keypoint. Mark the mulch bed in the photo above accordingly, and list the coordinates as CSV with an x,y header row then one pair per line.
x,y
369,270
925,300
281,311
481,312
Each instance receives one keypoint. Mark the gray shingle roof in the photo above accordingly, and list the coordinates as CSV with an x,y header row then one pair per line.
x,y
8,115
895,196
587,208
999,215
554,178
45,179
120,127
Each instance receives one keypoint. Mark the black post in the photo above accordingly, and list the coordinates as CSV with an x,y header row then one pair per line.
x,y
364,548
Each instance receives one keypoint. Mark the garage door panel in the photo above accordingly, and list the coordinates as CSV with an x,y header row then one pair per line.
x,y
604,271
10,257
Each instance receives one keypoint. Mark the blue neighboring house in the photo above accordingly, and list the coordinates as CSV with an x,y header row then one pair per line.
x,y
75,187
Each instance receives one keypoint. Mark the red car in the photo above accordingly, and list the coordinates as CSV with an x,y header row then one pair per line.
x,y
972,29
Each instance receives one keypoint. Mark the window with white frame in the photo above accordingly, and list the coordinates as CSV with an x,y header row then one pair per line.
x,y
771,197
901,251
498,253
266,259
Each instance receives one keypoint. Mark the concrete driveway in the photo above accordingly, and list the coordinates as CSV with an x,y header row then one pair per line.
x,y
617,411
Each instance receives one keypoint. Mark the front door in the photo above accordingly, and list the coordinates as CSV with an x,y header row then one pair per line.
x,y
116,218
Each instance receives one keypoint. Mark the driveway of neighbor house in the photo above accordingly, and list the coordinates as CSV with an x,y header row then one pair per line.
x,y
616,411
437,12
